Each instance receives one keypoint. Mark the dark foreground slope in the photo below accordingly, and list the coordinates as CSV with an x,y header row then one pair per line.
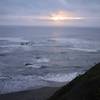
x,y
84,87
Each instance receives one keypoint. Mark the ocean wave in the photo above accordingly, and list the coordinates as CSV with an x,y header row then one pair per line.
x,y
85,50
78,44
13,39
33,66
14,43
20,82
43,60
9,46
60,77
4,77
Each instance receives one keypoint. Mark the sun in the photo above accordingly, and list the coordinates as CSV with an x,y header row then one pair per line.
x,y
60,16
63,16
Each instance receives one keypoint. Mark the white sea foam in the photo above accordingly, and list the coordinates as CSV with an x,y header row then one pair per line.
x,y
43,60
79,44
34,66
20,82
60,77
24,44
3,77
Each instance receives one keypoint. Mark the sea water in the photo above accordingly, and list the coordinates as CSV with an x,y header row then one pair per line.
x,y
34,57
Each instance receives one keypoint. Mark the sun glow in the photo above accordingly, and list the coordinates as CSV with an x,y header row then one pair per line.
x,y
58,18
63,16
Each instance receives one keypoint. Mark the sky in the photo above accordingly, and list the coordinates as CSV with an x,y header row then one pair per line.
x,y
50,12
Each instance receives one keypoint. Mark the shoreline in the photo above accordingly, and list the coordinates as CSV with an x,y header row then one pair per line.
x,y
83,86
34,94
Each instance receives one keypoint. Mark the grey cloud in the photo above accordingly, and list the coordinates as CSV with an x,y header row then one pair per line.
x,y
86,8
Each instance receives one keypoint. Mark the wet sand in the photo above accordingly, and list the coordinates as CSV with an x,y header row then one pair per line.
x,y
35,94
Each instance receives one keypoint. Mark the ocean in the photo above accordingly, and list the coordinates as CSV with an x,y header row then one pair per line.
x,y
33,57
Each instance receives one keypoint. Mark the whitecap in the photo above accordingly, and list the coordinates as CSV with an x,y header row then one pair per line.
x,y
3,77
43,60
33,66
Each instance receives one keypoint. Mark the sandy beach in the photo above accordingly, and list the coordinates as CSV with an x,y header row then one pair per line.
x,y
35,94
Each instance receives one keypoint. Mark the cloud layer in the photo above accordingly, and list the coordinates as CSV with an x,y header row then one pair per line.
x,y
12,11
